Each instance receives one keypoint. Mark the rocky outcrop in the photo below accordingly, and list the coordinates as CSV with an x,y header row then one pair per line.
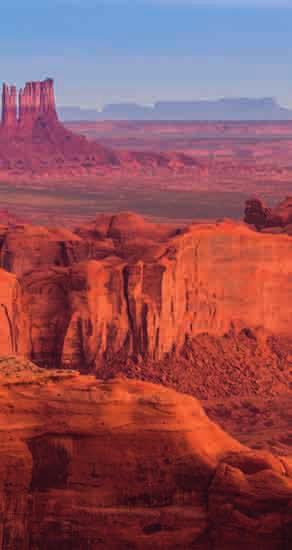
x,y
121,464
26,248
9,108
37,142
277,219
37,101
206,280
283,211
109,291
13,335
256,213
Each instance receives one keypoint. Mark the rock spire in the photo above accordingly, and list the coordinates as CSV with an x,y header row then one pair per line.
x,y
35,101
9,106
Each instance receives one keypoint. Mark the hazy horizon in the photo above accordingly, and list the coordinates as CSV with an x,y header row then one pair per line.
x,y
141,51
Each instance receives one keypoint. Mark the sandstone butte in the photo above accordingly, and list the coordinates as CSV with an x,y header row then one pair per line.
x,y
125,287
34,142
126,464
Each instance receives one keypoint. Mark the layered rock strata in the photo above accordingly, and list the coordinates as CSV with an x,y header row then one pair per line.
x,y
13,335
35,101
87,464
9,107
126,288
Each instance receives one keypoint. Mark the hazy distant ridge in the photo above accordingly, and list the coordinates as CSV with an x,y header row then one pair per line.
x,y
222,109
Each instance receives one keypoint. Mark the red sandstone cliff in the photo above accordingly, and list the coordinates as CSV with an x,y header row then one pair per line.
x,y
86,464
117,289
126,464
13,335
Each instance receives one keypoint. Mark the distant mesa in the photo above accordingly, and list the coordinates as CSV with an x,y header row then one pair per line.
x,y
227,109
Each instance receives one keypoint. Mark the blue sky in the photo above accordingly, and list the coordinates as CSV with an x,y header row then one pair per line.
x,y
102,51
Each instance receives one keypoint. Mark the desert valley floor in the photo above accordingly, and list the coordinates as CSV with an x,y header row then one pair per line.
x,y
232,161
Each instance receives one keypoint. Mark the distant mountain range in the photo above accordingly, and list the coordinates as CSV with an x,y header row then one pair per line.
x,y
221,109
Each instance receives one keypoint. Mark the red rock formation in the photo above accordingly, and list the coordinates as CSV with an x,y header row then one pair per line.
x,y
37,101
279,217
256,213
24,248
38,143
9,108
107,292
283,211
87,464
13,336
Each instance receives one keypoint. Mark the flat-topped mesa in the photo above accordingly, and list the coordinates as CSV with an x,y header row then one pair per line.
x,y
37,100
9,107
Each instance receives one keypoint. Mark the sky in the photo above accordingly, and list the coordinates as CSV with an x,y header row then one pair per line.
x,y
105,51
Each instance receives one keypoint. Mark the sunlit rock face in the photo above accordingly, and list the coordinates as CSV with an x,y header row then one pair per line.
x,y
85,464
124,287
13,322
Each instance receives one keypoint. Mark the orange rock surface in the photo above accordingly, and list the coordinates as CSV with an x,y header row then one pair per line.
x,y
13,337
112,291
87,464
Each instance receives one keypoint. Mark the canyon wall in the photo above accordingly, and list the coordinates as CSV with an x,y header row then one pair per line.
x,y
116,290
13,333
208,280
88,464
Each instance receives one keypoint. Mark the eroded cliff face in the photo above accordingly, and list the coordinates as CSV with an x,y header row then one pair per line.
x,y
9,107
86,464
35,103
208,279
90,298
13,327
25,248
